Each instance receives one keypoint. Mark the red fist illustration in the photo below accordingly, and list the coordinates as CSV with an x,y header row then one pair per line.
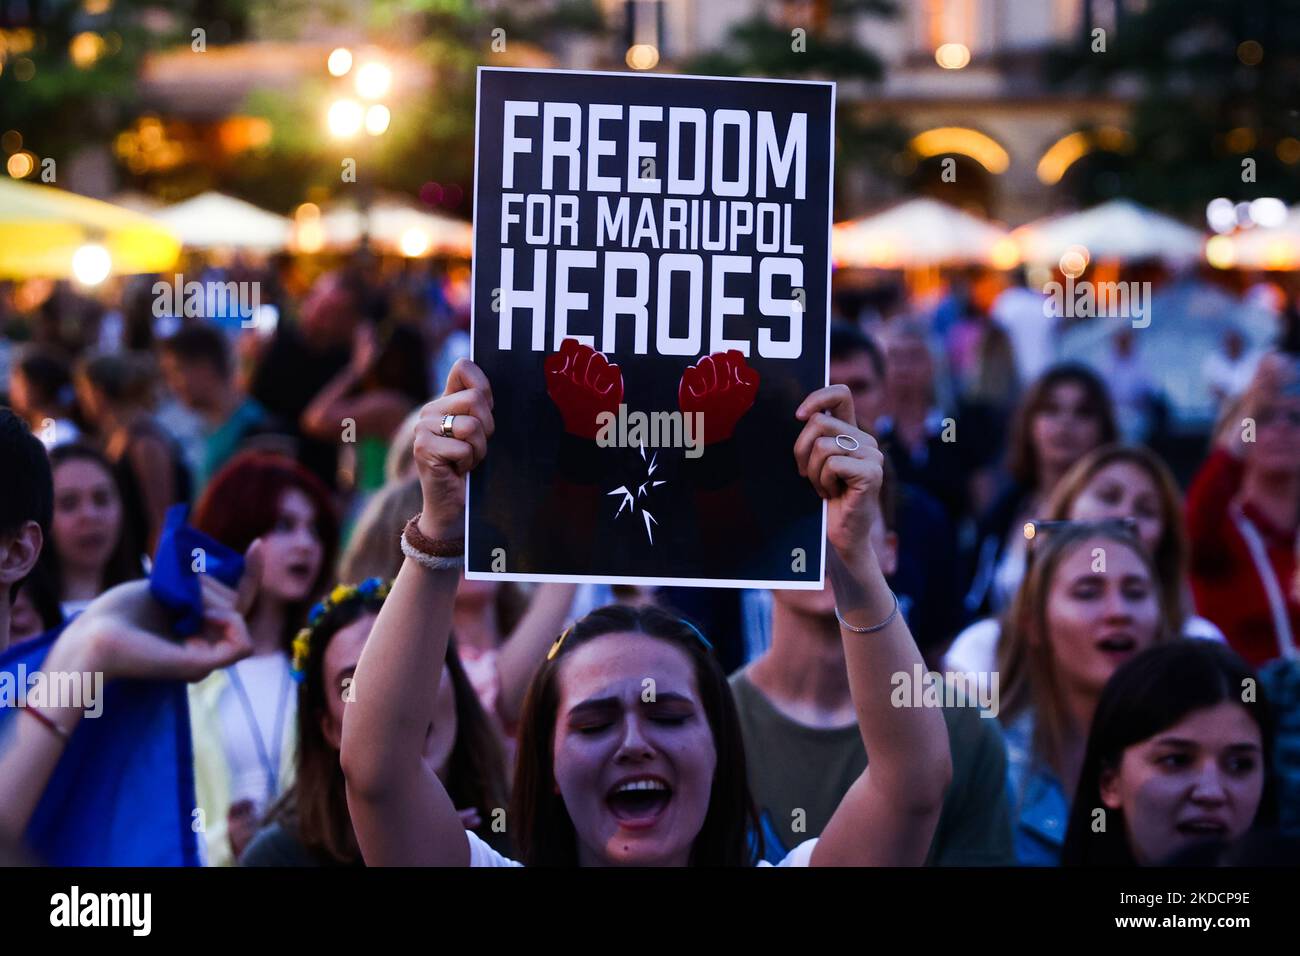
x,y
723,387
582,384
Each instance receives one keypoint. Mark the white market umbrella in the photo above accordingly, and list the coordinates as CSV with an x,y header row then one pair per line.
x,y
212,220
398,226
1119,229
916,234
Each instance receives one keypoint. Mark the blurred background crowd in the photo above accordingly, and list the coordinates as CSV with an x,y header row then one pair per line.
x,y
985,150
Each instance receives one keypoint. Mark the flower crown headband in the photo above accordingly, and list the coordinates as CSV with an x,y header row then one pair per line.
x,y
370,589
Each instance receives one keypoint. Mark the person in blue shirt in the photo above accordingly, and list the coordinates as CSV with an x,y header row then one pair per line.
x,y
1088,603
92,791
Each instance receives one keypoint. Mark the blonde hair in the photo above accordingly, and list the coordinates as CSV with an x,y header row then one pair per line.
x,y
399,463
1170,553
375,551
1027,664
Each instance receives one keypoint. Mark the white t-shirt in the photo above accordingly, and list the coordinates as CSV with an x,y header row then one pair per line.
x,y
480,854
1020,312
273,697
975,650
1231,377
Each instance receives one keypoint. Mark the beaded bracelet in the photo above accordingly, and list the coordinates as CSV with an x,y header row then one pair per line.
x,y
435,554
874,627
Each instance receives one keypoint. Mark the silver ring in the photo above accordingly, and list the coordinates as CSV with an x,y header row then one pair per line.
x,y
446,426
841,439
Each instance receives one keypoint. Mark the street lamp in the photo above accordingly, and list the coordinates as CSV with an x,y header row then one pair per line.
x,y
348,116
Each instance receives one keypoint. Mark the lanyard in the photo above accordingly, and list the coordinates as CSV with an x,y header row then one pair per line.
x,y
270,762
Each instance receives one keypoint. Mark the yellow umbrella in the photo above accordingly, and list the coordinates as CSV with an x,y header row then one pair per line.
x,y
50,233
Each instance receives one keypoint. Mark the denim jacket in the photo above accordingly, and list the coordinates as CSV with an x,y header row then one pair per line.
x,y
1040,809
1281,682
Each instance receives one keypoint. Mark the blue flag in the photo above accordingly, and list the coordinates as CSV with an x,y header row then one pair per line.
x,y
123,791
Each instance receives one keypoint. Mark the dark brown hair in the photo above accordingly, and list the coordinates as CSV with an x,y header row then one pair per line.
x,y
1147,695
1022,458
315,808
730,835
123,562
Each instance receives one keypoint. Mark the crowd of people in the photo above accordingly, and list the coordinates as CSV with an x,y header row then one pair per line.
x,y
355,700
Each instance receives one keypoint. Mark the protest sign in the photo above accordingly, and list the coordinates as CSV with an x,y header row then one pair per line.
x,y
651,304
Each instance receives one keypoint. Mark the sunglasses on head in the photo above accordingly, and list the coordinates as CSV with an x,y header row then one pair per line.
x,y
1033,529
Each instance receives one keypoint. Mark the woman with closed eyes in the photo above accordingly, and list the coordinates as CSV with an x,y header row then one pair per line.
x,y
630,751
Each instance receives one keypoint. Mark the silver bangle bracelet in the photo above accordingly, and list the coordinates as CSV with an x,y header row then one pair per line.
x,y
430,561
874,627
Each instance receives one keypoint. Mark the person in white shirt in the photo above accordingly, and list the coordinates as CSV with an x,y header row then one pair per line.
x,y
1228,372
1022,313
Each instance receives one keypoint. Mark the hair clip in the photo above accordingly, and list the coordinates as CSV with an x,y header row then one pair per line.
x,y
555,648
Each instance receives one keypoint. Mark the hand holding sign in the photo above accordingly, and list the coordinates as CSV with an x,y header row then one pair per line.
x,y
450,440
722,386
845,467
582,384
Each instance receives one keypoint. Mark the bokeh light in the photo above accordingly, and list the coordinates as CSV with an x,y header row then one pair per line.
x,y
20,165
345,118
415,242
952,56
1220,252
339,62
91,264
1005,254
377,119
1240,140
643,56
85,49
1220,215
1074,261
1268,211
373,80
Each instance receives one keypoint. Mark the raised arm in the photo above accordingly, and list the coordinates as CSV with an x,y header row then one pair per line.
x,y
528,643
888,816
375,413
400,810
